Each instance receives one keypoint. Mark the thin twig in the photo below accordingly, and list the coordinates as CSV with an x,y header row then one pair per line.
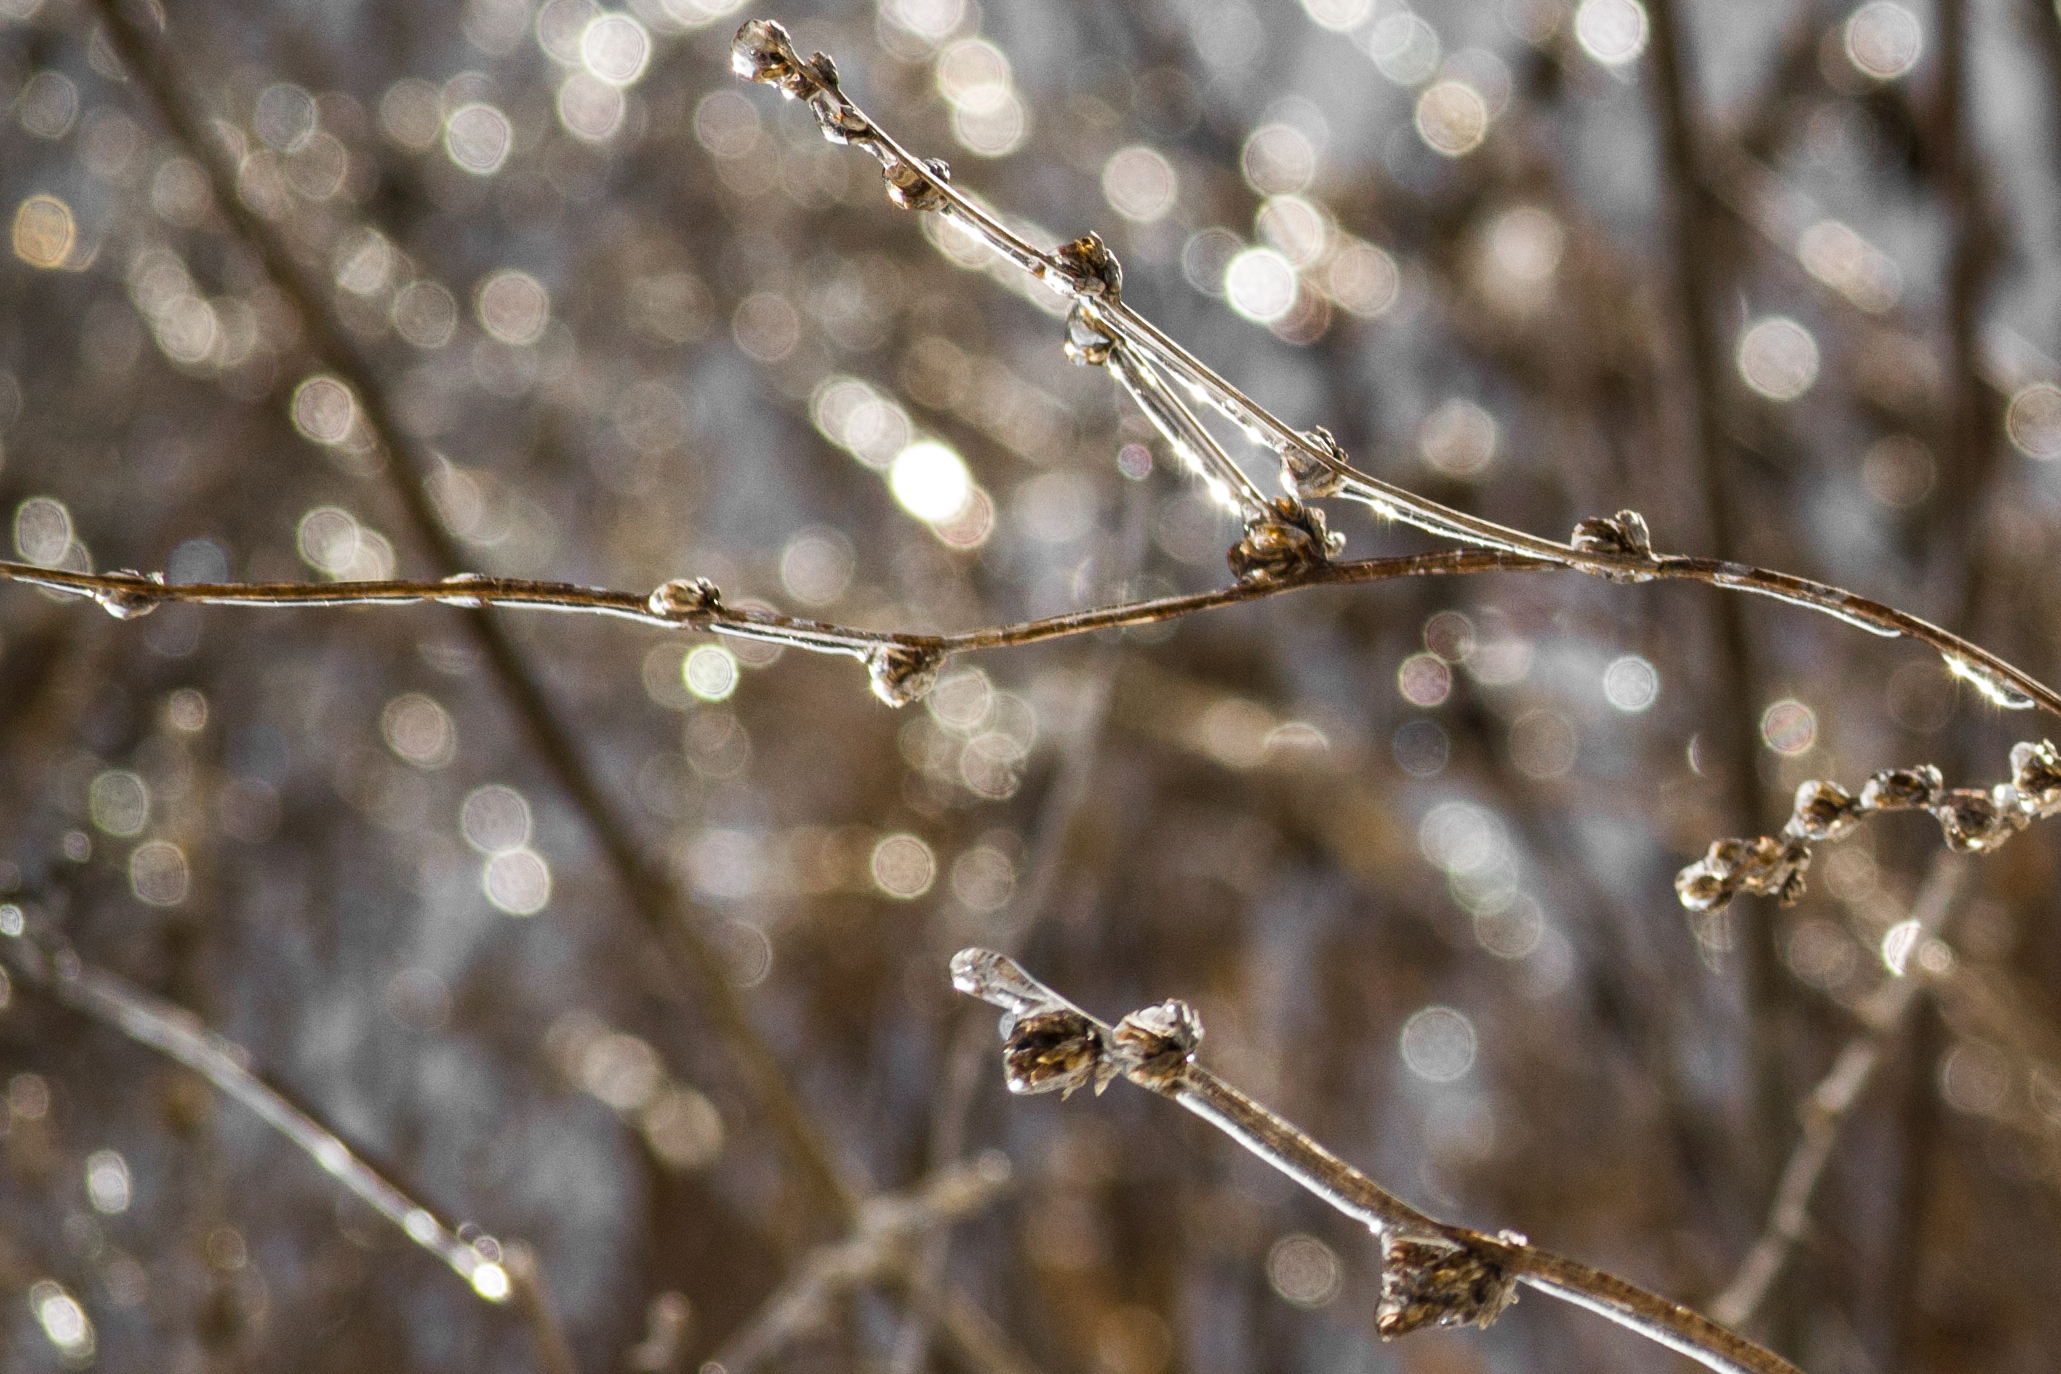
x,y
655,898
1433,1273
45,961
1829,1104
533,1298
879,1246
1313,465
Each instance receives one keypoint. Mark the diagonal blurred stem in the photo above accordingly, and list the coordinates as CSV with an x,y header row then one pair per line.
x,y
1828,1107
657,901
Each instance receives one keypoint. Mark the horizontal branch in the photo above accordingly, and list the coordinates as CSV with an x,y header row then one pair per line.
x,y
1106,331
1433,1273
46,962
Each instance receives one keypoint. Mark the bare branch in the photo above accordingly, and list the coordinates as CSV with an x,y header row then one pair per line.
x,y
1433,1274
1829,1104
47,962
880,1246
1313,466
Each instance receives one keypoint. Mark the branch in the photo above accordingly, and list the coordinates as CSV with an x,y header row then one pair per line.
x,y
1433,1274
880,1246
1974,820
1825,1110
45,961
1104,331
658,901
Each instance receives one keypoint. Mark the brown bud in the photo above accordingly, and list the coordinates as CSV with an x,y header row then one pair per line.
x,y
1090,267
2036,773
1155,1044
1055,1051
1288,542
1902,789
1974,821
684,598
1824,811
1435,1282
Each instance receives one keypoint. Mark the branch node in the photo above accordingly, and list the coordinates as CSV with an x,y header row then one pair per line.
x,y
686,599
1058,1050
1287,543
1428,1281
1308,478
1090,269
1155,1045
1623,534
903,673
136,595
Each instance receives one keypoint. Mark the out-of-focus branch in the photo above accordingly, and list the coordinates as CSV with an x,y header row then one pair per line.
x,y
659,903
1290,538
43,960
1826,1110
880,1247
532,1294
1433,1273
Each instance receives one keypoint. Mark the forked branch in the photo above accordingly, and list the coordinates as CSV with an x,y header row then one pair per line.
x,y
1283,536
1432,1274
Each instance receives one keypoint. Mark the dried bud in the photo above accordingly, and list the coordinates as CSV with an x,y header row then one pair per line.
x,y
1432,1282
1090,267
1702,890
1307,478
1824,811
1155,1044
1055,1051
138,595
1764,866
1287,543
915,186
1624,534
1902,789
1974,820
2036,773
903,673
685,598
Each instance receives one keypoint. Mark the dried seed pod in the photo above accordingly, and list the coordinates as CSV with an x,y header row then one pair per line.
x,y
1435,1282
902,673
1902,789
1156,1043
2036,773
1824,811
1055,1051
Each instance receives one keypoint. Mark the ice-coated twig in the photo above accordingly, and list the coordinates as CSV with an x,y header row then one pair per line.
x,y
45,961
1829,1104
1974,820
1433,1273
881,1246
1313,466
902,665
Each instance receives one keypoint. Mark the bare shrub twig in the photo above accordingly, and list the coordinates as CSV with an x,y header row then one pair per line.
x,y
1433,1274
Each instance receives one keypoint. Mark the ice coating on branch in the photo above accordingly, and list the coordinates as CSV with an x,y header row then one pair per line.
x,y
902,673
1304,476
1986,681
1623,534
1972,820
138,595
1091,268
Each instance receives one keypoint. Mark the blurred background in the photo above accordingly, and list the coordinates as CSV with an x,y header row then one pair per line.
x,y
1781,277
